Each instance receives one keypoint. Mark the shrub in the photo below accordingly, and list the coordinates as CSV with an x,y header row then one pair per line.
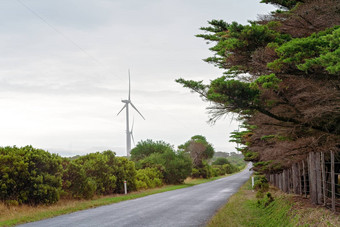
x,y
29,175
266,200
124,170
261,185
148,178
216,172
76,183
108,172
148,147
97,167
220,161
195,173
176,167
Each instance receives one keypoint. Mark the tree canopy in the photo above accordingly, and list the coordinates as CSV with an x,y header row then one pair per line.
x,y
281,78
199,149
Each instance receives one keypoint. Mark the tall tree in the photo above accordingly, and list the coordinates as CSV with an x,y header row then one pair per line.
x,y
199,149
282,78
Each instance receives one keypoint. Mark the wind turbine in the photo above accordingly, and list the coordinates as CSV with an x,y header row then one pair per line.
x,y
126,106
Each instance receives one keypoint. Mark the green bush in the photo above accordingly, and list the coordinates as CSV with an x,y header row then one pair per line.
x,y
220,161
124,170
176,167
108,172
203,171
195,173
216,172
97,167
265,201
148,178
261,185
76,183
29,175
148,147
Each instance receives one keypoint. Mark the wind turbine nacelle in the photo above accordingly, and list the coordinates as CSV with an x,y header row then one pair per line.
x,y
126,101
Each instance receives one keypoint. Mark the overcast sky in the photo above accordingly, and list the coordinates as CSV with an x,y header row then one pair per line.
x,y
64,71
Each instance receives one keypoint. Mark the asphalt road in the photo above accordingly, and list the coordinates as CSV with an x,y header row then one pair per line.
x,y
192,206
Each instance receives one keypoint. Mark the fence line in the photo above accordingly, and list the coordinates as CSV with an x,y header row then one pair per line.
x,y
315,178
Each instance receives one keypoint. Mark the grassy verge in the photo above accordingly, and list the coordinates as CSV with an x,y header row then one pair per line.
x,y
24,213
243,209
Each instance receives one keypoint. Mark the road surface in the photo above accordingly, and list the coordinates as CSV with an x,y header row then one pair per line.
x,y
192,206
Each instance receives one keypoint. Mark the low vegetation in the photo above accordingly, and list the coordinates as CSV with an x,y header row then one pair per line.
x,y
35,184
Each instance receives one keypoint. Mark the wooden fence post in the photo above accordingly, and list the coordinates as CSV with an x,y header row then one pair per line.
x,y
304,178
299,177
286,180
295,179
281,181
333,181
312,179
284,183
323,177
318,178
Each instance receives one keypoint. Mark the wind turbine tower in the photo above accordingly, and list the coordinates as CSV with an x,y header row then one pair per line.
x,y
126,106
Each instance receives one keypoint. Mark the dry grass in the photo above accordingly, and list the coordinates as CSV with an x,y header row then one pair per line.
x,y
308,214
26,210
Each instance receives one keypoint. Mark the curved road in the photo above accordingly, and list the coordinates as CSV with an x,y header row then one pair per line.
x,y
192,206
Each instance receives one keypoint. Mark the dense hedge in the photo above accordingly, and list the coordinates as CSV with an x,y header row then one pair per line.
x,y
98,173
148,178
174,166
34,176
29,175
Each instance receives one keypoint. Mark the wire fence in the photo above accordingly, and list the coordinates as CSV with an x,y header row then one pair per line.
x,y
317,178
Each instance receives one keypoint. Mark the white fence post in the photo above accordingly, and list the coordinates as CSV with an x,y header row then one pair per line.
x,y
125,188
252,183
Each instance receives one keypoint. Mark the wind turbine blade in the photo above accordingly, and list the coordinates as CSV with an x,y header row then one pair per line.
x,y
137,110
133,139
133,122
129,85
121,110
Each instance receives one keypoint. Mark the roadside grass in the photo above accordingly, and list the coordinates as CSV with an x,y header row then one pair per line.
x,y
14,215
243,209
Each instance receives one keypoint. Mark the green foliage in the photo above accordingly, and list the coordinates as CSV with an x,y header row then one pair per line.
x,y
220,161
176,167
265,201
76,183
233,94
125,170
251,156
289,4
261,185
148,178
318,51
29,175
100,167
148,147
267,81
108,172
205,171
199,149
278,137
236,42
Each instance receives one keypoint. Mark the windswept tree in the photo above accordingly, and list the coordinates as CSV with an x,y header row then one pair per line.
x,y
199,150
282,79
